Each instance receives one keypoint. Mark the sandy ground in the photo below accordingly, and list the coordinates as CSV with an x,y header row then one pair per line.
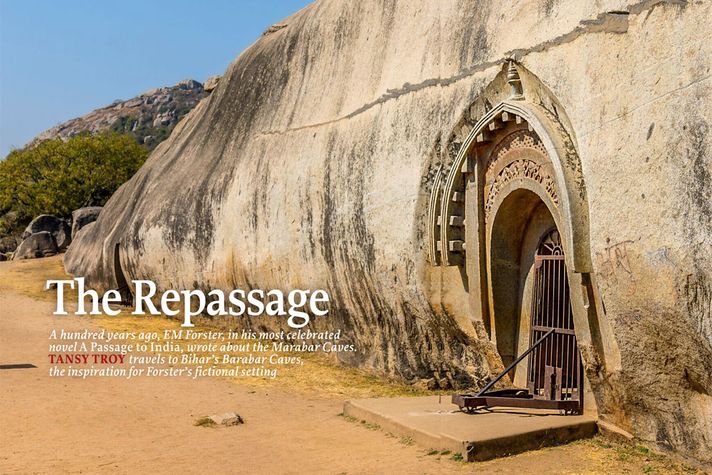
x,y
56,425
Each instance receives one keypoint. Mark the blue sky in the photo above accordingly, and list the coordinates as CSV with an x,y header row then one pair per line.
x,y
62,59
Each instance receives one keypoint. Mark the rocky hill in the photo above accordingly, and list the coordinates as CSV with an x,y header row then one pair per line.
x,y
149,117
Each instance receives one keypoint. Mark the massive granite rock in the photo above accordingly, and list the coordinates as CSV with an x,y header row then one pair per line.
x,y
311,165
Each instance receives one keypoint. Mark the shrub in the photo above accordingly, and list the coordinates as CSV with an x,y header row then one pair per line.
x,y
57,176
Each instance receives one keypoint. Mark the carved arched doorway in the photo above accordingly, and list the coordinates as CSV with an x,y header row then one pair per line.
x,y
514,186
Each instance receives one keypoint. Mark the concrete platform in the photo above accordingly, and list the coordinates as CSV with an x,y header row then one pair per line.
x,y
433,422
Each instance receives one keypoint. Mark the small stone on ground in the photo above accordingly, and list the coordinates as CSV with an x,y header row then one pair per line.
x,y
227,419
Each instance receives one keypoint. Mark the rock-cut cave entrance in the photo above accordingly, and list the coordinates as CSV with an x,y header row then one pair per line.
x,y
532,321
554,369
531,299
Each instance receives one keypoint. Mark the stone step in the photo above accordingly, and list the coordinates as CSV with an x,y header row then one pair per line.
x,y
434,423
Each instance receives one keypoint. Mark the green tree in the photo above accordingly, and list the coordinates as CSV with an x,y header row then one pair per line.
x,y
57,176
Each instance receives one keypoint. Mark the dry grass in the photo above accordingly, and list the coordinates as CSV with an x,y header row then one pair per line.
x,y
608,456
204,422
318,374
28,277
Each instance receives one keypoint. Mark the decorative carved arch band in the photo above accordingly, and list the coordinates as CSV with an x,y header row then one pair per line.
x,y
515,141
434,212
505,165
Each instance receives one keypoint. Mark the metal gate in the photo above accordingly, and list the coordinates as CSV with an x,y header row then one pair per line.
x,y
554,370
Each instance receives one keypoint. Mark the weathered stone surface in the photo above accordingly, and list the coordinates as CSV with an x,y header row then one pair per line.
x,y
41,244
83,216
312,166
58,227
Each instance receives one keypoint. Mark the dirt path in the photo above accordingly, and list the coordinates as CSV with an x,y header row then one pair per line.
x,y
52,425
57,424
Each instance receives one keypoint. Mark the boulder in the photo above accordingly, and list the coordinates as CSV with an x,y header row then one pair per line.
x,y
41,244
211,83
83,216
58,227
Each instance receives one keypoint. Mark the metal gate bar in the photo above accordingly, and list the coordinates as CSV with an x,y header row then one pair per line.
x,y
554,370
